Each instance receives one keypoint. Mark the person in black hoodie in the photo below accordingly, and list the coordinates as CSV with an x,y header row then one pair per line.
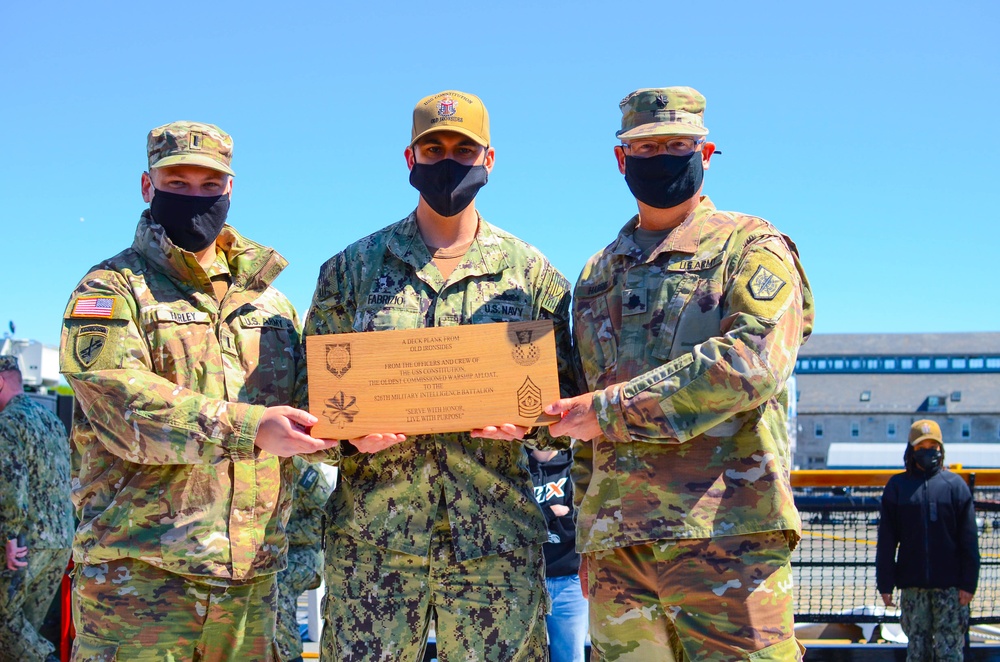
x,y
927,514
567,624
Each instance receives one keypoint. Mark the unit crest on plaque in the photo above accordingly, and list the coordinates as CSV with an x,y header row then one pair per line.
x,y
525,352
338,358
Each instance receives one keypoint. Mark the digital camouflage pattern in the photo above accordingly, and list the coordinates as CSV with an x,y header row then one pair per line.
x,y
128,610
40,438
34,501
170,388
379,603
389,499
688,351
632,589
190,143
935,624
313,486
8,362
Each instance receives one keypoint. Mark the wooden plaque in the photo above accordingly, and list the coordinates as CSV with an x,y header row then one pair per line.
x,y
438,379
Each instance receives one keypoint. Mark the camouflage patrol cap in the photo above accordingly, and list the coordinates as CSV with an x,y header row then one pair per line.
x,y
190,143
451,111
925,429
662,111
8,363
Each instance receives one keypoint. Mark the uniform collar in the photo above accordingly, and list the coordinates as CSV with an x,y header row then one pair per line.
x,y
685,238
485,255
251,265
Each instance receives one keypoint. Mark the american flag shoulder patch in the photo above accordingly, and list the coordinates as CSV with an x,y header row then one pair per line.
x,y
95,306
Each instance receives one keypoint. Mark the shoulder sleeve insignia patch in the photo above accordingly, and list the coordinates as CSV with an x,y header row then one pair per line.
x,y
90,342
764,285
93,307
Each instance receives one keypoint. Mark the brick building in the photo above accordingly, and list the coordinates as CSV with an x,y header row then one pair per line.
x,y
868,388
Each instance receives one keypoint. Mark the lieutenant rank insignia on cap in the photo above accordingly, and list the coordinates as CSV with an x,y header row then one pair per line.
x,y
90,307
764,285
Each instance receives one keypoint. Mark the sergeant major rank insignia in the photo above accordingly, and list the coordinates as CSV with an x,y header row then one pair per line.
x,y
529,399
90,342
764,285
338,358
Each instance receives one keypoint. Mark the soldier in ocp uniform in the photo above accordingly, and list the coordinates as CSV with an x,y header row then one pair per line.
x,y
687,326
183,358
312,488
442,528
35,507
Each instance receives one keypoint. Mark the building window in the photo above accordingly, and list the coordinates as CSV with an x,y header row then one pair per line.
x,y
838,364
890,430
818,431
956,396
923,364
993,363
937,403
872,364
855,364
866,396
855,430
976,364
906,364
966,429
958,364
889,364
940,364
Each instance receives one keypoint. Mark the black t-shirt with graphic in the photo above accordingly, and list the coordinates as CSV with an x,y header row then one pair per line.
x,y
554,486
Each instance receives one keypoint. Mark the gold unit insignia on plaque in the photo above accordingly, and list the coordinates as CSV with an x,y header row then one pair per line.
x,y
338,358
529,399
524,353
340,409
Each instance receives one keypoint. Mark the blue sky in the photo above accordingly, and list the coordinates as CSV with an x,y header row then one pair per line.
x,y
865,130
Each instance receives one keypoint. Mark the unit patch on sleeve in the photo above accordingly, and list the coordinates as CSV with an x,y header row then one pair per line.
x,y
91,307
764,285
90,342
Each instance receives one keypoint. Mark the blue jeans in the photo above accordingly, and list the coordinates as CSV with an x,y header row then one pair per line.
x,y
568,623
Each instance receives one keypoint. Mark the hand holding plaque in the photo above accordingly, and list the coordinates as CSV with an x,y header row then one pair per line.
x,y
432,380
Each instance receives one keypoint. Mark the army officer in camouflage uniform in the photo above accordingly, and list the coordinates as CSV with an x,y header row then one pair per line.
x,y
687,326
183,357
439,528
35,503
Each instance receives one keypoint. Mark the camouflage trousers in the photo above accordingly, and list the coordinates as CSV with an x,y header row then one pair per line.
x,y
727,598
380,604
304,571
129,610
934,622
25,596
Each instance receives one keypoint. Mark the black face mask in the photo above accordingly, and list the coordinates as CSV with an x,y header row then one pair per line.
x,y
192,222
448,186
928,459
664,181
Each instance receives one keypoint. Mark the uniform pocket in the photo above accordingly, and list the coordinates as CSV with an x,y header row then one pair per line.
x,y
595,335
783,651
91,649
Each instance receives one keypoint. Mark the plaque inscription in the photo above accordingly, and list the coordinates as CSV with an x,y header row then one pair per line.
x,y
432,380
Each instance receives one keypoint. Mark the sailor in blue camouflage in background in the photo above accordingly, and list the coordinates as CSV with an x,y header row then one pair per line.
x,y
439,529
35,506
687,327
